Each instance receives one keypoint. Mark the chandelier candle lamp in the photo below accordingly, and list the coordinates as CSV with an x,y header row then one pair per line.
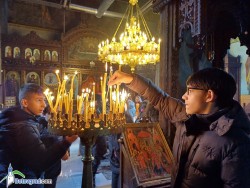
x,y
83,120
135,47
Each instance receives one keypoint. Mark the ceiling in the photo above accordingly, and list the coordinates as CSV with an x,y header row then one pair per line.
x,y
63,15
90,6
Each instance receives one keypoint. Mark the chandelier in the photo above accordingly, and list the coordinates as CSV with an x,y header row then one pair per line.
x,y
134,46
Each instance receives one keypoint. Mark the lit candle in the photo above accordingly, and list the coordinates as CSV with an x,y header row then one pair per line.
x,y
117,95
57,72
104,91
94,92
71,98
110,91
64,83
60,103
81,101
70,111
110,99
79,104
72,81
117,99
65,102
61,92
52,98
58,99
92,106
72,84
47,93
87,109
59,89
114,100
123,98
84,96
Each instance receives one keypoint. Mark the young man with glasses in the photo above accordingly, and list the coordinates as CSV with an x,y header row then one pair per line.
x,y
211,145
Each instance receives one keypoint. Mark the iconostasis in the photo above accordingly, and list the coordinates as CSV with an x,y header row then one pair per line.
x,y
32,59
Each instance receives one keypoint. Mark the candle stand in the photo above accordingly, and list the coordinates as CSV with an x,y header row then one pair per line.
x,y
85,123
88,131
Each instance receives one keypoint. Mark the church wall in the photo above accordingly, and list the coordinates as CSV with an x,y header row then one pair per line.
x,y
73,35
23,30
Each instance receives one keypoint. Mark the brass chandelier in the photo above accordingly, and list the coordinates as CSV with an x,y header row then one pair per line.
x,y
134,46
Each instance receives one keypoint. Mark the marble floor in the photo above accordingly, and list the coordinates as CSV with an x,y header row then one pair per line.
x,y
71,174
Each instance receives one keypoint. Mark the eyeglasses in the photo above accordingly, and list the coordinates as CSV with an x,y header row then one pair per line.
x,y
189,89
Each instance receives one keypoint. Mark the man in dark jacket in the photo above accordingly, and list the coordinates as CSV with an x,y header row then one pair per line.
x,y
211,145
48,140
20,143
114,148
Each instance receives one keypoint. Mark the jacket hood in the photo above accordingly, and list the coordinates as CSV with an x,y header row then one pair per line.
x,y
234,118
14,114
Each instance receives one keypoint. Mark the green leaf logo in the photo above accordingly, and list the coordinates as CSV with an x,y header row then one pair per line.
x,y
19,173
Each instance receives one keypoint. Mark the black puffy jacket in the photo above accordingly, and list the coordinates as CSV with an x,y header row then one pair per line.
x,y
209,152
21,145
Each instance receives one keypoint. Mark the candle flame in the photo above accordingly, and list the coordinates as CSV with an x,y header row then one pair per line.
x,y
114,96
63,99
66,77
46,92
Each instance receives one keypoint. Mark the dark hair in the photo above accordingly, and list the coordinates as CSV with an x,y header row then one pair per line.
x,y
217,80
27,89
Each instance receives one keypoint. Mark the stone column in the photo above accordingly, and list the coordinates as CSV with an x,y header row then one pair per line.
x,y
168,54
